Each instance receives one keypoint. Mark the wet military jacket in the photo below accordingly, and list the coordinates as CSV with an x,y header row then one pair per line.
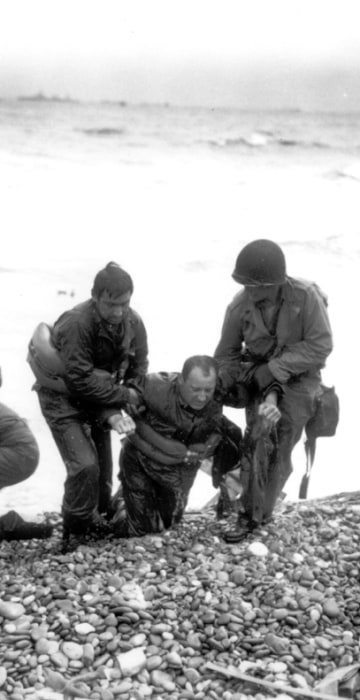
x,y
299,342
86,344
167,426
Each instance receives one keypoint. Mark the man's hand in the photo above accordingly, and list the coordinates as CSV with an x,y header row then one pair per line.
x,y
269,410
122,423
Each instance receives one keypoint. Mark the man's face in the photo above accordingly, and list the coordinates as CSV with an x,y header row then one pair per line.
x,y
262,292
113,309
198,388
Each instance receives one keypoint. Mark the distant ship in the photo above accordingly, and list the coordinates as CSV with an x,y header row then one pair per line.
x,y
40,97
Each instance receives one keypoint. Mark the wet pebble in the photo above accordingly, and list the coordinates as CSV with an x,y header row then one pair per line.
x,y
10,610
72,650
163,680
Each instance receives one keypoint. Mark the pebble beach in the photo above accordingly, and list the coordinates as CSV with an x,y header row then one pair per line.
x,y
179,615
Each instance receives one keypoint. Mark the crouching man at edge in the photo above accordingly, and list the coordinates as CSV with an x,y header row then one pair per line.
x,y
19,458
180,424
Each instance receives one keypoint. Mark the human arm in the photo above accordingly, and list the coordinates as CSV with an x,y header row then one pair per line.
x,y
75,343
314,346
268,409
138,353
228,352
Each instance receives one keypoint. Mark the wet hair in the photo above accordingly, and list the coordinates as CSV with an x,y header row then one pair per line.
x,y
113,280
203,362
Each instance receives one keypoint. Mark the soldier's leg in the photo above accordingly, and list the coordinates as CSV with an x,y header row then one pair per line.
x,y
296,406
173,493
270,464
140,496
72,436
102,440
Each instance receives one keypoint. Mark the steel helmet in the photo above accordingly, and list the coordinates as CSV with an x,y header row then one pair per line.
x,y
260,262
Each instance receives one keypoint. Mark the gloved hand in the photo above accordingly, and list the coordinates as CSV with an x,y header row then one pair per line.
x,y
263,376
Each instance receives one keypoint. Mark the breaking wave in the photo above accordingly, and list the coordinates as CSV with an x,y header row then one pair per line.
x,y
260,140
352,172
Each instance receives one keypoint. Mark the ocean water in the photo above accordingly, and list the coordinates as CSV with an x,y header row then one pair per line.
x,y
172,194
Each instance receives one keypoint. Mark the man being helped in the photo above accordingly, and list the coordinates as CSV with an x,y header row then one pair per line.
x,y
19,457
180,425
275,339
101,361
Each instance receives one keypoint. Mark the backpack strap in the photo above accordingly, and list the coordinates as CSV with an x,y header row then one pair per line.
x,y
310,449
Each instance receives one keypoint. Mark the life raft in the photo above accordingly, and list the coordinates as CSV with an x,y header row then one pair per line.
x,y
45,360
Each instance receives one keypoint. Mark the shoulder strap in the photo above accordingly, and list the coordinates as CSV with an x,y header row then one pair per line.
x,y
310,449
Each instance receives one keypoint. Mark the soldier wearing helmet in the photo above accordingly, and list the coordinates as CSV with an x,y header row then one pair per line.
x,y
274,342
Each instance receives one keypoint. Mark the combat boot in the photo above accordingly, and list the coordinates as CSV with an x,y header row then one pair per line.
x,y
16,528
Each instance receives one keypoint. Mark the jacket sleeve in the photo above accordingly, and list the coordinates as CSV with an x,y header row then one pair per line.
x,y
81,377
138,364
311,352
228,350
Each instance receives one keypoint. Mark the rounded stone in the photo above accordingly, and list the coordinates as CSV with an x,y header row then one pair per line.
x,y
3,676
10,610
164,680
84,628
258,549
331,608
153,662
72,650
238,576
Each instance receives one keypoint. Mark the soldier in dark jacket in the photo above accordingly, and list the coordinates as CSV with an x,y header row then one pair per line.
x,y
100,360
19,457
180,425
275,339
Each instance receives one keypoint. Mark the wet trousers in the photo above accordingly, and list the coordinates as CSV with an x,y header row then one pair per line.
x,y
85,448
19,457
155,494
266,464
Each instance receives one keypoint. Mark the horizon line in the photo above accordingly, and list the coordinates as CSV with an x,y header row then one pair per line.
x,y
41,97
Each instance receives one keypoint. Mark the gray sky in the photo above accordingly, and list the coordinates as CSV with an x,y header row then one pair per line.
x,y
246,53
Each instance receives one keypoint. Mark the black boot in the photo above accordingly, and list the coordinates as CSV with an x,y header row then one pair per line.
x,y
121,529
99,527
243,528
28,531
76,531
